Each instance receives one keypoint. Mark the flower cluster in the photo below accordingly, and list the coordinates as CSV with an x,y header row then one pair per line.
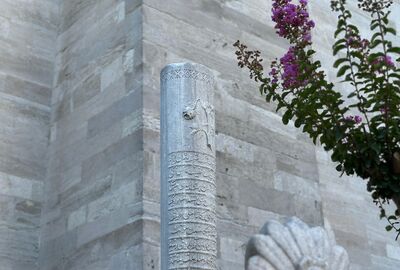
x,y
382,63
290,66
374,5
249,59
355,119
354,41
337,5
292,21
383,60
299,87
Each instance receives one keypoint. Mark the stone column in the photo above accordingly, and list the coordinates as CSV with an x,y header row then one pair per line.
x,y
188,218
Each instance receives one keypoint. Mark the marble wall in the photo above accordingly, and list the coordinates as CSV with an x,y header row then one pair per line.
x,y
27,33
80,134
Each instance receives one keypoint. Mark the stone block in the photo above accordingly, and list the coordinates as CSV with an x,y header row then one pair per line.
x,y
258,217
14,186
123,197
232,250
27,90
116,152
151,256
128,259
119,12
129,61
28,207
308,209
81,194
111,73
77,218
117,111
129,170
119,228
87,90
393,252
296,185
256,196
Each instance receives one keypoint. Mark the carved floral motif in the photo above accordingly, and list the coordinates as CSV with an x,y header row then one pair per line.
x,y
205,124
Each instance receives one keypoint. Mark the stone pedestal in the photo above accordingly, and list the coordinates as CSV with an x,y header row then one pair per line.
x,y
188,218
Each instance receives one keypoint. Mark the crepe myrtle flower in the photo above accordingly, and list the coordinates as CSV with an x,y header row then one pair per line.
x,y
385,60
382,63
373,5
355,119
292,21
274,75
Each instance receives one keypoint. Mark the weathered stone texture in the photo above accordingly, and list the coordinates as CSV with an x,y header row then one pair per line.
x,y
92,216
264,169
27,32
80,134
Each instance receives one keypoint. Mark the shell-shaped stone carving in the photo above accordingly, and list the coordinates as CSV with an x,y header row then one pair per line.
x,y
295,246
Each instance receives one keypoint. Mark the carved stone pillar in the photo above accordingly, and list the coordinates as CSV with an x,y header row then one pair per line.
x,y
188,218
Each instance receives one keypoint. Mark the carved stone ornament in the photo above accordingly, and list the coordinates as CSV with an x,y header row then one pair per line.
x,y
188,208
295,246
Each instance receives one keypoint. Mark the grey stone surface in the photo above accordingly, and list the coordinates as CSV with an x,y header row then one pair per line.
x,y
188,188
92,213
27,34
80,129
263,167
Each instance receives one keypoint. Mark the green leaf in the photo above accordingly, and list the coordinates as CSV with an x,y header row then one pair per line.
x,y
354,28
339,30
394,50
394,75
356,54
352,94
389,228
382,213
342,71
339,62
338,48
310,52
341,23
298,123
385,20
375,43
375,36
339,167
286,117
340,41
374,25
376,147
390,30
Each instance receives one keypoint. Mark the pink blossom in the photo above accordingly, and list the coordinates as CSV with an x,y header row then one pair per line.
x,y
292,20
386,60
356,119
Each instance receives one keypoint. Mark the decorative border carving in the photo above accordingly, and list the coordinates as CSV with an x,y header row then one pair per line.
x,y
187,73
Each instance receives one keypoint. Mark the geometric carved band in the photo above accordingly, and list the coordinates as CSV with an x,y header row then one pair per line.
x,y
186,73
191,211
